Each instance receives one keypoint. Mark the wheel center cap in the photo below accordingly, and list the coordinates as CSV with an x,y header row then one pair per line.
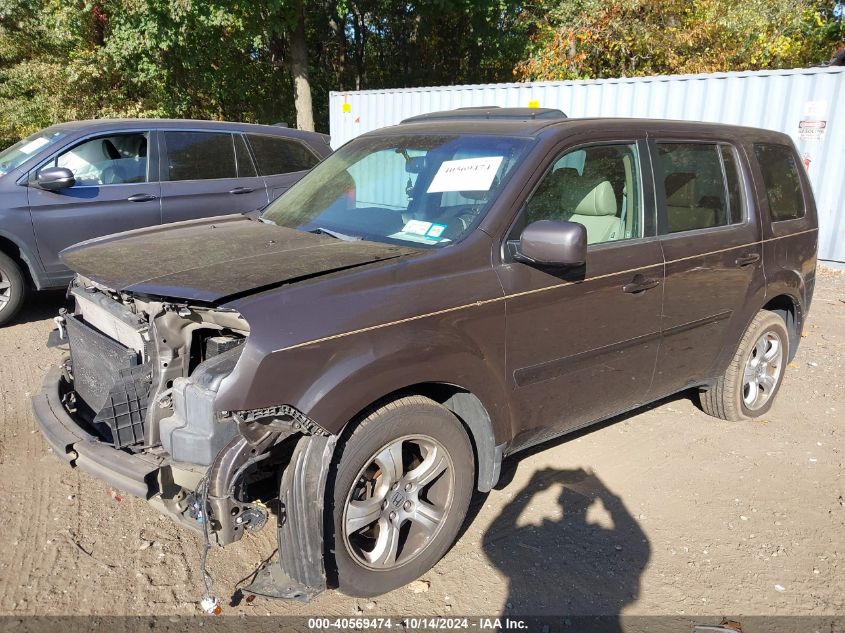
x,y
397,499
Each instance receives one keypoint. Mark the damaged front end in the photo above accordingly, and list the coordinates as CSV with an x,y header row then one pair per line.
x,y
134,404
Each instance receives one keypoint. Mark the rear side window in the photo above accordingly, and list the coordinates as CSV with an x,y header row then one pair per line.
x,y
276,155
199,156
702,186
783,185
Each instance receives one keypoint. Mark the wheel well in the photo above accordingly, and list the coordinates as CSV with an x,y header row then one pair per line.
x,y
788,310
469,410
8,247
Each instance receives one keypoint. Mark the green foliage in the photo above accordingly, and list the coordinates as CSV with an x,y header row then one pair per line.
x,y
611,38
231,59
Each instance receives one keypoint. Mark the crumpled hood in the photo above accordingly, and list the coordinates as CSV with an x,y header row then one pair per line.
x,y
216,258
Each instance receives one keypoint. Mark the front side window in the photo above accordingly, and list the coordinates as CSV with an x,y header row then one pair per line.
x,y
199,156
783,185
117,159
702,186
280,155
16,155
598,187
426,190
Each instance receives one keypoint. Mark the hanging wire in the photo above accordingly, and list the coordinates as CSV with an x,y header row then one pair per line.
x,y
209,601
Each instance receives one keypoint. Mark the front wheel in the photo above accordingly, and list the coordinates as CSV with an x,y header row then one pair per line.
x,y
748,387
401,492
12,288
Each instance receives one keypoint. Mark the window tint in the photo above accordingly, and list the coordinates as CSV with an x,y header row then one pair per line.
x,y
280,155
696,197
199,156
246,168
107,160
783,186
598,187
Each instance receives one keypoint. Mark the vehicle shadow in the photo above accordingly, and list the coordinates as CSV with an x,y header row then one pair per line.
x,y
39,306
583,556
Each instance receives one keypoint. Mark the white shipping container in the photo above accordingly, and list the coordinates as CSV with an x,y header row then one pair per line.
x,y
802,103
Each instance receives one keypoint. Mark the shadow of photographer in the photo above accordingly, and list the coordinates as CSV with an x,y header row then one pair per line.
x,y
581,557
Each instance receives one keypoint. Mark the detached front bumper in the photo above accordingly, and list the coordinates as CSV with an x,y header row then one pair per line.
x,y
298,574
135,474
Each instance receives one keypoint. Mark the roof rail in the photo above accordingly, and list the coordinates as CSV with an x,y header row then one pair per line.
x,y
488,112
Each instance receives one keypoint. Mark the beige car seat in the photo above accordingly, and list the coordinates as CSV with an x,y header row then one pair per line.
x,y
597,212
683,208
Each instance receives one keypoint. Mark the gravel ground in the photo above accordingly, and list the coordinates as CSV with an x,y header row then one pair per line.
x,y
662,511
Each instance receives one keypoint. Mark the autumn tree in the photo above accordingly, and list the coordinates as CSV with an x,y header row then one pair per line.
x,y
610,38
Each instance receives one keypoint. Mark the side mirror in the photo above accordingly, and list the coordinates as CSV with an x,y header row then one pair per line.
x,y
55,178
553,243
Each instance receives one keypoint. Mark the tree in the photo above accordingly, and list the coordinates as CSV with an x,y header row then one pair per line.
x,y
609,38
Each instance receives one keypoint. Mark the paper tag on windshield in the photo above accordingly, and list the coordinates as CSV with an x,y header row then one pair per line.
x,y
467,174
34,145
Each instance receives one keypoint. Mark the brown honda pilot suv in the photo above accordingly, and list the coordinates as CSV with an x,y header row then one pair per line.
x,y
435,296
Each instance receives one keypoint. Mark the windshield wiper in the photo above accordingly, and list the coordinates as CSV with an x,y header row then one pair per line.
x,y
335,234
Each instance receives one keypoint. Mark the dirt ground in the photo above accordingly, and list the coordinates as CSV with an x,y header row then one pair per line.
x,y
664,511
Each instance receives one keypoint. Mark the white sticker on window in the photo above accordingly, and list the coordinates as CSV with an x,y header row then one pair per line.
x,y
34,145
421,231
417,227
466,174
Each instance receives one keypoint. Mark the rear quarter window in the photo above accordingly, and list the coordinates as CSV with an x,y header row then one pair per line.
x,y
276,155
783,184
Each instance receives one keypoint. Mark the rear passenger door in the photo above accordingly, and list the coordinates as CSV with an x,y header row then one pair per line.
x,y
281,161
710,235
207,173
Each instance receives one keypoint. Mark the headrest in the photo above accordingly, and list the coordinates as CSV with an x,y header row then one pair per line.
x,y
601,200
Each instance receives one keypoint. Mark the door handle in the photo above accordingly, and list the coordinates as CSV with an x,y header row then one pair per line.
x,y
748,259
142,197
239,190
640,283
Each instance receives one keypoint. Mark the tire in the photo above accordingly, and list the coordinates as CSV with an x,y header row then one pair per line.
x,y
13,289
732,397
381,504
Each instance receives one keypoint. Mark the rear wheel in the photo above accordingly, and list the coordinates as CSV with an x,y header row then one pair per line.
x,y
748,387
401,493
12,288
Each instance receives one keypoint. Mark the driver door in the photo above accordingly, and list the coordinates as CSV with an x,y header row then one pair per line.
x,y
582,341
113,192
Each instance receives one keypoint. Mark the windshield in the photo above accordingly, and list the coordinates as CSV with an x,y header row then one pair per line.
x,y
426,190
23,150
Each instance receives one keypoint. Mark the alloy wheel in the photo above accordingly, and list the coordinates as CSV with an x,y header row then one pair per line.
x,y
5,290
398,502
762,370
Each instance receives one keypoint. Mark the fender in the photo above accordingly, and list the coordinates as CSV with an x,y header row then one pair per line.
x,y
334,380
356,374
791,284
30,259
